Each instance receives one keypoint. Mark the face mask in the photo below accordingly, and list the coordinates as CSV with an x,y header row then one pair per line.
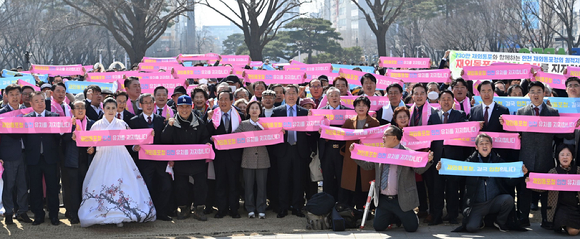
x,y
432,95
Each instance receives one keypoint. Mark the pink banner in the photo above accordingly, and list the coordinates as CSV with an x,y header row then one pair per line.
x,y
158,59
400,157
149,76
300,123
105,77
337,117
155,67
197,57
35,125
114,137
556,81
498,72
337,133
248,139
275,77
88,68
376,101
16,113
58,70
234,60
539,124
238,71
572,71
554,182
198,72
500,140
353,77
148,86
23,83
421,76
441,131
176,152
310,75
296,63
402,62
536,68
309,67
256,63
414,145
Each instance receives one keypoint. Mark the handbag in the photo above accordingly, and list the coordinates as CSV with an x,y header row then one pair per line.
x,y
315,170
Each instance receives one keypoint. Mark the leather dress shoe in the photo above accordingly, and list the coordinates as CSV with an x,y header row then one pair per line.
x,y
428,219
219,215
282,214
235,215
74,221
23,217
435,221
8,219
164,218
54,221
298,213
38,221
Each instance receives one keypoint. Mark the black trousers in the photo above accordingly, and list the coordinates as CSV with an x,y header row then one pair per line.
x,y
331,166
429,178
158,183
524,200
183,189
290,172
389,211
49,171
446,187
74,188
227,176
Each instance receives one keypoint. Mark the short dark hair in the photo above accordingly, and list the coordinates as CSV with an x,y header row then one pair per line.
x,y
561,147
396,131
483,135
396,86
160,88
258,83
274,86
292,86
486,82
109,101
120,93
12,87
446,92
365,100
458,80
92,87
310,83
538,84
197,90
229,93
511,88
27,87
251,103
573,78
337,79
58,84
368,76
128,81
322,78
418,85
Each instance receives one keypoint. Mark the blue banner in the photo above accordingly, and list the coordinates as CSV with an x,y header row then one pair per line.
x,y
565,105
498,170
12,80
512,103
368,69
7,73
76,87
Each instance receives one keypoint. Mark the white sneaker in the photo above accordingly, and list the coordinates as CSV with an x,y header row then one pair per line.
x,y
262,215
120,224
251,215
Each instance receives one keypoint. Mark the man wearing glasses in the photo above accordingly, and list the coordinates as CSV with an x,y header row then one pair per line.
x,y
316,91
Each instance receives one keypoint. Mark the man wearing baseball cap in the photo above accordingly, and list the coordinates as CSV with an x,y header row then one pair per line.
x,y
177,92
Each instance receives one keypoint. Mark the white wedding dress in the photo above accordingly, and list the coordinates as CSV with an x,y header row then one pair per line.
x,y
114,190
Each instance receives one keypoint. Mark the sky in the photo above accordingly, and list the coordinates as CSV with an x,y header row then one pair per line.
x,y
204,16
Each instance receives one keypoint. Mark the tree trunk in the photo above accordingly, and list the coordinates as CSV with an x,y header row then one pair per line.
x,y
310,58
255,50
381,42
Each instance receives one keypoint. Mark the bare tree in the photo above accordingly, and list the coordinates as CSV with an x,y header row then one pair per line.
x,y
561,12
135,24
204,42
258,19
379,16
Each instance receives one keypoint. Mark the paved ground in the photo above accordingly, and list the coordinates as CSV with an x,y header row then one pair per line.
x,y
272,227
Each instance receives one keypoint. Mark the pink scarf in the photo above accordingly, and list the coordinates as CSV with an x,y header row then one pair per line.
x,y
81,126
426,113
56,108
466,105
217,118
167,113
129,106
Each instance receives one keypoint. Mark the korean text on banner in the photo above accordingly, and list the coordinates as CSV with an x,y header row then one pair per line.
x,y
274,77
420,76
539,124
442,131
500,140
114,137
300,123
497,170
199,72
341,134
497,72
34,125
400,157
403,62
248,139
58,70
176,152
554,182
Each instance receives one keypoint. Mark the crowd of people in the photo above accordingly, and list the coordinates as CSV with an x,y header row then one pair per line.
x,y
38,167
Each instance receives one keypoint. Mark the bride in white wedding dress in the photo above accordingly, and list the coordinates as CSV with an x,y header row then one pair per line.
x,y
114,190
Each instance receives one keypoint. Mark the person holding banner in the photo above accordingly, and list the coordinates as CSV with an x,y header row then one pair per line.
x,y
268,98
255,164
122,113
76,161
490,111
111,175
371,84
157,180
355,179
280,91
41,152
563,214
515,91
342,84
11,158
395,193
395,95
486,195
161,108
292,157
133,89
258,87
93,102
57,104
186,128
225,119
462,102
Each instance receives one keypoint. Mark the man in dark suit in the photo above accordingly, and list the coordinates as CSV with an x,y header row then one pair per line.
x,y
329,150
293,156
419,94
11,158
395,94
490,111
227,163
315,86
93,102
42,158
122,113
447,187
395,202
153,172
77,161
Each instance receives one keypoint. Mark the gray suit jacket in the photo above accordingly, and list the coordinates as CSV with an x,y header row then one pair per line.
x,y
253,157
537,148
408,197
